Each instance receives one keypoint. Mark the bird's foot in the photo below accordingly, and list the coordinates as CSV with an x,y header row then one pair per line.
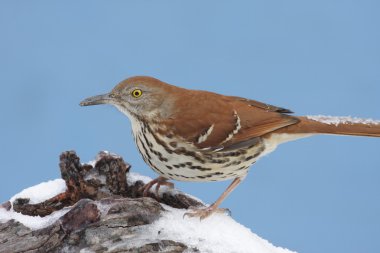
x,y
158,182
203,213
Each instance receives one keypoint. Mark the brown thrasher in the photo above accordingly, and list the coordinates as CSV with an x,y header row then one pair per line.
x,y
191,135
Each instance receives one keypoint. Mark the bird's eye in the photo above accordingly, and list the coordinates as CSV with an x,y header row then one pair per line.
x,y
136,93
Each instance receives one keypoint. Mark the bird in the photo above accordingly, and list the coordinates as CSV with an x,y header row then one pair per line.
x,y
201,136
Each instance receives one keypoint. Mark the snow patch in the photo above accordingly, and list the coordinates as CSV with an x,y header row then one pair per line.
x,y
218,233
332,120
32,222
41,192
36,194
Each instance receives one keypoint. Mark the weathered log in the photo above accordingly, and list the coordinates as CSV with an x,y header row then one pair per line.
x,y
105,212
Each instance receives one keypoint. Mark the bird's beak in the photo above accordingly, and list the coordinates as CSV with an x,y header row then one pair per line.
x,y
97,100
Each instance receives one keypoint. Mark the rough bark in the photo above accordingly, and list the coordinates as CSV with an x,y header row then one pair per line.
x,y
106,214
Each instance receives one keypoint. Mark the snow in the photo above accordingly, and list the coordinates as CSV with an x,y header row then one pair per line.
x,y
332,120
41,192
218,233
32,222
36,194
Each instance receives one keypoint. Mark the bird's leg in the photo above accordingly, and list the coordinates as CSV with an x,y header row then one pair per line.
x,y
206,212
158,182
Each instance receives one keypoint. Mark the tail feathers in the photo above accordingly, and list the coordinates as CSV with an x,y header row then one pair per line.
x,y
334,125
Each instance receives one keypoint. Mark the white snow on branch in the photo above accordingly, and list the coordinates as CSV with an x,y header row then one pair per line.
x,y
32,222
41,192
332,120
36,194
218,233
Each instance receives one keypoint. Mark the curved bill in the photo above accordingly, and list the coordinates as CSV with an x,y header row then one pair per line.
x,y
97,100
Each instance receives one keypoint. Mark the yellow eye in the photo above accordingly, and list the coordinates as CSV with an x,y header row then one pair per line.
x,y
136,93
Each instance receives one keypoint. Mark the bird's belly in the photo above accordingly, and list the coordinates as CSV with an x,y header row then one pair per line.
x,y
184,162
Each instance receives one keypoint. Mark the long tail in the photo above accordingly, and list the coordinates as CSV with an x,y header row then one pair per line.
x,y
333,125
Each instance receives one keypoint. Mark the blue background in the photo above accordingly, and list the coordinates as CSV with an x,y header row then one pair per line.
x,y
319,194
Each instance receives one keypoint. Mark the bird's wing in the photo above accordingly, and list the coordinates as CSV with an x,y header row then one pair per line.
x,y
217,122
264,106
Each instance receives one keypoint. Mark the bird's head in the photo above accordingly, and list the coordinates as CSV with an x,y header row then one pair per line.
x,y
139,96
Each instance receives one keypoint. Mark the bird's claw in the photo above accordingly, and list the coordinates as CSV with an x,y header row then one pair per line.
x,y
158,182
